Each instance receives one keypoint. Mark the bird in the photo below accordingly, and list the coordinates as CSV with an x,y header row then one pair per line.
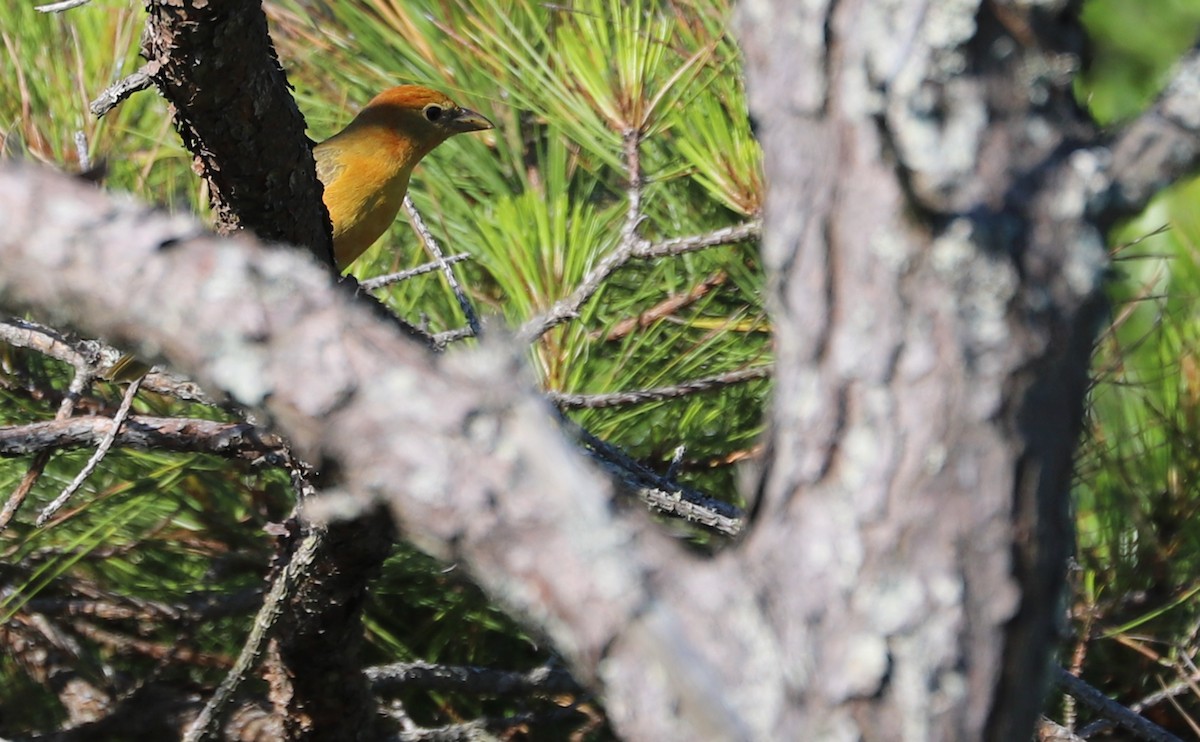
x,y
365,168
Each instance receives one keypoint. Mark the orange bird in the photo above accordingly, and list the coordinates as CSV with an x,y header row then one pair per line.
x,y
366,166
365,169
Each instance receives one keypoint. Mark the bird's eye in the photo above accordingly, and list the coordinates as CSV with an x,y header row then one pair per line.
x,y
433,112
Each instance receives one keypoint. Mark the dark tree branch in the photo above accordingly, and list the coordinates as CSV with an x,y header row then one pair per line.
x,y
1103,705
390,679
233,110
232,107
234,440
657,394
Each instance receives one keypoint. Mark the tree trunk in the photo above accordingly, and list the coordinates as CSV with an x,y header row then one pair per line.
x,y
214,62
935,290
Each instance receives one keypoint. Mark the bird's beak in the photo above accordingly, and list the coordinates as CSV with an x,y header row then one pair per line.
x,y
467,120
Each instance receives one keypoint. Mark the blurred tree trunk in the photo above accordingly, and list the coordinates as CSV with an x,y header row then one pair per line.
x,y
935,292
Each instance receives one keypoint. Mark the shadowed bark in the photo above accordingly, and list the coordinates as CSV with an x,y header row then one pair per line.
x,y
231,104
214,62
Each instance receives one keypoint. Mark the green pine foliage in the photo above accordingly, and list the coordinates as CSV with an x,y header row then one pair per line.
x,y
537,202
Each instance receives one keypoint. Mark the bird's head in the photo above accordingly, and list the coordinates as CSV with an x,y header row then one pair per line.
x,y
420,113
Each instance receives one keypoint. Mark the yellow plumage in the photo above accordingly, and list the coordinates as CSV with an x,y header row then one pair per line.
x,y
365,170
365,167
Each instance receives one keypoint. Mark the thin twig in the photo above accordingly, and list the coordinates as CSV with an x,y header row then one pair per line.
x,y
101,358
374,284
122,89
1155,698
643,396
84,374
661,310
1103,705
96,458
488,728
442,339
24,487
664,495
435,252
1179,709
160,651
385,679
110,606
23,333
60,6
744,232
568,308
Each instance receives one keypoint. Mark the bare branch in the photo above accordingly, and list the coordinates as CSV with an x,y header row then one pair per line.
x,y
207,723
81,151
661,494
101,451
102,358
233,440
486,729
135,82
1102,704
435,251
663,309
657,394
386,679
374,284
223,105
455,430
444,338
60,6
159,651
751,230
1159,146
568,308
21,333
112,607
84,374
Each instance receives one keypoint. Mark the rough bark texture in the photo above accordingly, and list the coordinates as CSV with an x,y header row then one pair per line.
x,y
315,669
935,288
214,62
933,243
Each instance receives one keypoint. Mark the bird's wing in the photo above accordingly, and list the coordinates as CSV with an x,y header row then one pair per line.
x,y
328,166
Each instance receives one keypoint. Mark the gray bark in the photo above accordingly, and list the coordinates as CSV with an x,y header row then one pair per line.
x,y
934,236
